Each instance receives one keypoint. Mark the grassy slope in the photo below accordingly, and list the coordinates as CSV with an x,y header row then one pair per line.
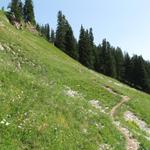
x,y
34,76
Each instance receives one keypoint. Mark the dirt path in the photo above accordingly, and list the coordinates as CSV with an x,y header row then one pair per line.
x,y
132,144
114,109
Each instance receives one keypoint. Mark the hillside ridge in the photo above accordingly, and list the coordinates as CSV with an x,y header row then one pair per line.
x,y
50,101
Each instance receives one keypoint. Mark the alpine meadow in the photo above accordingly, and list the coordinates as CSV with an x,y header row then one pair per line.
x,y
60,92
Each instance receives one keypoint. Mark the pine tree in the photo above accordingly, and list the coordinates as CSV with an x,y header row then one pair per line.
x,y
139,74
47,32
102,57
81,46
16,9
106,60
91,37
3,8
89,48
42,29
52,37
65,39
110,61
29,12
70,43
119,58
84,48
97,53
61,31
127,69
147,67
38,28
20,5
92,48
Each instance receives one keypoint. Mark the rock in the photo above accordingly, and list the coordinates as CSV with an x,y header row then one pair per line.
x,y
96,104
129,116
71,93
105,147
1,47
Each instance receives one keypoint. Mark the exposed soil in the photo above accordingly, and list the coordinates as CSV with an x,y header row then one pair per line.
x,y
132,144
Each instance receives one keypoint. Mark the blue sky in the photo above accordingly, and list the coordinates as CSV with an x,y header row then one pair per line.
x,y
125,23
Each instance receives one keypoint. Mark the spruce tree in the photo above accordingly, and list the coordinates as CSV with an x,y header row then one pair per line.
x,y
47,32
102,57
127,69
89,49
119,58
81,46
91,37
20,5
65,39
16,9
110,61
42,28
97,53
92,48
147,67
38,28
70,43
52,36
29,12
85,48
106,60
3,8
61,31
139,74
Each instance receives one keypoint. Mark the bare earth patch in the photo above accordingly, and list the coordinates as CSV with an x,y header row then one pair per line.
x,y
132,144
114,109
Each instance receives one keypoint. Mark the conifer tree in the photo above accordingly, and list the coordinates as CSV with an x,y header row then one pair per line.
x,y
29,12
61,31
92,48
91,37
147,67
70,43
3,8
38,27
110,61
65,39
106,60
97,58
127,69
119,58
52,36
81,45
20,5
47,32
89,48
85,55
16,9
139,74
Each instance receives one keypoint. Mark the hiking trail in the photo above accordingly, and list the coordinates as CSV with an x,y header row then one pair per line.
x,y
132,144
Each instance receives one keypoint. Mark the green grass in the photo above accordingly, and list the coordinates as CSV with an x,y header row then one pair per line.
x,y
34,76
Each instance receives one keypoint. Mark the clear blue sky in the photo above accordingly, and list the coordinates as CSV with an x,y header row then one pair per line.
x,y
125,23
